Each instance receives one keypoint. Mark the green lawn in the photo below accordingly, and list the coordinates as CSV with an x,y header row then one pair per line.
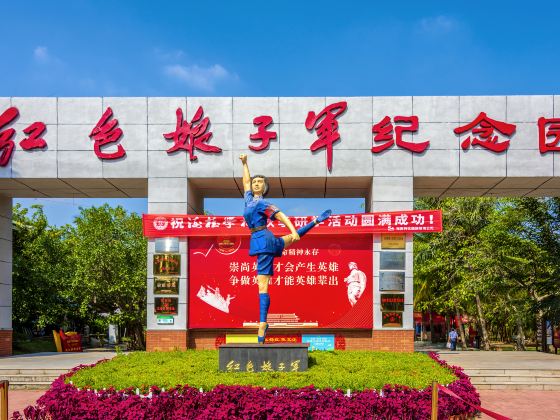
x,y
33,346
356,370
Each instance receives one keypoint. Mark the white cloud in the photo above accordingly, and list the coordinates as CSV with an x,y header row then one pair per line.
x,y
41,54
168,55
438,24
202,78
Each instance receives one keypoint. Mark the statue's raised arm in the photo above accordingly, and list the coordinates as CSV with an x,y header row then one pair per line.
x,y
246,173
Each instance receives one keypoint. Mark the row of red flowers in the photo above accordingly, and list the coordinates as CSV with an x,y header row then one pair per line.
x,y
65,401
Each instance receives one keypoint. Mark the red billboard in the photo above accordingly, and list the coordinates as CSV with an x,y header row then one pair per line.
x,y
323,281
413,221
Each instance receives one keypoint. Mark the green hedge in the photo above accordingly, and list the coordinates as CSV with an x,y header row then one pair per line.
x,y
355,370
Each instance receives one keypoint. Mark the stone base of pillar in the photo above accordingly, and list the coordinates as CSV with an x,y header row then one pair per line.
x,y
5,342
166,340
401,341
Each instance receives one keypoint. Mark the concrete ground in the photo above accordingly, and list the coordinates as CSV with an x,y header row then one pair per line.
x,y
65,361
501,359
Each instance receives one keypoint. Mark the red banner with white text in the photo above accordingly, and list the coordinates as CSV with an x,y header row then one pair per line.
x,y
321,281
415,221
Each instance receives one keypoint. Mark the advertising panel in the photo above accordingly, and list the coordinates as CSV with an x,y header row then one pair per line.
x,y
167,245
181,225
167,264
165,320
391,281
392,260
270,338
392,302
166,305
393,241
392,319
323,281
166,285
324,342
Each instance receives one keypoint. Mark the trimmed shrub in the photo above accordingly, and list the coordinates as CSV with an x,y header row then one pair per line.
x,y
356,370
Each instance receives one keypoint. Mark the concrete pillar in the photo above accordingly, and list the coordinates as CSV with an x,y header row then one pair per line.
x,y
170,196
5,276
393,193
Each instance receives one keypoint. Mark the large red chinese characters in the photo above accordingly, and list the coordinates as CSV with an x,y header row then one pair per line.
x,y
34,131
326,125
262,134
191,136
6,136
383,133
482,128
106,132
34,141
390,131
162,225
549,128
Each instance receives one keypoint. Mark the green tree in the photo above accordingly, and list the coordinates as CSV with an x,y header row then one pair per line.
x,y
109,259
444,263
40,271
496,260
534,258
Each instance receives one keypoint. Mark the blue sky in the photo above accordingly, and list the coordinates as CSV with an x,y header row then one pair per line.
x,y
289,48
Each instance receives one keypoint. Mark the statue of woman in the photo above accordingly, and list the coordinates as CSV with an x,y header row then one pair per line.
x,y
263,243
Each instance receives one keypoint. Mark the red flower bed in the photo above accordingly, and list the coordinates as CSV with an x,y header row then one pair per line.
x,y
65,401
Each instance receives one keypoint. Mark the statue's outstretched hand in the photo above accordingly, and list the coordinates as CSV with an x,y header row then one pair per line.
x,y
243,158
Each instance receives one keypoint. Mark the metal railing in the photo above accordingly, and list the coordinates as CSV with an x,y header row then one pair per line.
x,y
434,401
435,390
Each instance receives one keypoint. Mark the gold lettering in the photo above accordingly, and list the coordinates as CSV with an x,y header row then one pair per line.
x,y
232,366
267,367
295,365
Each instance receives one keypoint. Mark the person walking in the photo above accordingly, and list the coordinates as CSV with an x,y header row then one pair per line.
x,y
453,339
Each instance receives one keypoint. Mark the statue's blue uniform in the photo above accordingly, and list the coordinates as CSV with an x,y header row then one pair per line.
x,y
263,243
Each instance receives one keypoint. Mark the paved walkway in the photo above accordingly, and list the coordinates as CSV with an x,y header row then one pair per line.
x,y
18,400
63,361
502,360
522,405
525,404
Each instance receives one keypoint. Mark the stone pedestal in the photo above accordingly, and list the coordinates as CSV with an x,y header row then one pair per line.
x,y
263,357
